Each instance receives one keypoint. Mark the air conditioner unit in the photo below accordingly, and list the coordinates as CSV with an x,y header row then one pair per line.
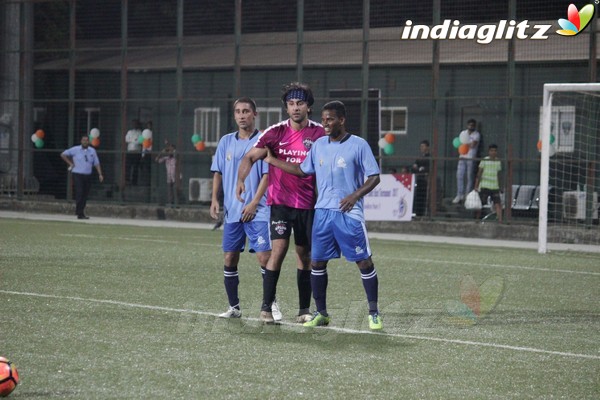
x,y
574,205
200,189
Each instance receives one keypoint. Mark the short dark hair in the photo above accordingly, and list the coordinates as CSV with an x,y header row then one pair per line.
x,y
247,100
337,106
298,86
471,120
493,146
425,142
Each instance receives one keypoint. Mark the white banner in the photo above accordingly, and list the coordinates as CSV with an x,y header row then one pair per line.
x,y
392,199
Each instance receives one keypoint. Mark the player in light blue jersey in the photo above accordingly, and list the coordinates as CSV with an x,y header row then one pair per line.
x,y
248,219
345,171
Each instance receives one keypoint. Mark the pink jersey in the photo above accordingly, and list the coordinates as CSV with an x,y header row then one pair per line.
x,y
290,146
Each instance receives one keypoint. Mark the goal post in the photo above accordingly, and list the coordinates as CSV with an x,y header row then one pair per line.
x,y
569,166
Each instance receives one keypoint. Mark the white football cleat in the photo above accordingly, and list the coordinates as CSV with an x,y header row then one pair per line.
x,y
277,315
231,313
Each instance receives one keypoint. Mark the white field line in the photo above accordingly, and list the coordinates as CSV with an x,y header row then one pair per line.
x,y
522,267
336,329
420,260
134,238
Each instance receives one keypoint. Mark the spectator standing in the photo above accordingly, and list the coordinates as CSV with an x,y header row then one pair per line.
x,y
488,181
465,168
132,158
81,159
421,169
168,156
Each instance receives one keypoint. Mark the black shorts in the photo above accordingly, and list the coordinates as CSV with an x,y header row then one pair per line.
x,y
284,219
484,193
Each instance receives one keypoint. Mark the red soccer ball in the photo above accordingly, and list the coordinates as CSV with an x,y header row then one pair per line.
x,y
9,377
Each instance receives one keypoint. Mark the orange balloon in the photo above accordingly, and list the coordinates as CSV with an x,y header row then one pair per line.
x,y
96,142
200,146
463,149
539,145
147,143
40,133
390,137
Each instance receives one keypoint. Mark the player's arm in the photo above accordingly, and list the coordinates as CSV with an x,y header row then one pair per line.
x,y
68,160
250,158
348,202
290,168
99,170
249,210
214,203
478,178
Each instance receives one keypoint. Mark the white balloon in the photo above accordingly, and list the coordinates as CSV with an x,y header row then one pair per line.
x,y
34,138
464,137
95,132
147,134
382,143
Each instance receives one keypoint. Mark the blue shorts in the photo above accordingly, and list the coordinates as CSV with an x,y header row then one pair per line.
x,y
257,232
335,232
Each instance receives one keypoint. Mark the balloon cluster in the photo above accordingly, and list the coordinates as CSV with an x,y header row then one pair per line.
x,y
386,144
198,142
461,143
95,137
145,139
38,138
552,148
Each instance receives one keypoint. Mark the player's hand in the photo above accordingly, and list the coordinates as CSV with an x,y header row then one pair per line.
x,y
348,202
239,190
269,156
248,213
101,178
214,210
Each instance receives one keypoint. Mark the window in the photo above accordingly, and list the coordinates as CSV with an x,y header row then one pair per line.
x,y
394,120
92,118
206,124
267,116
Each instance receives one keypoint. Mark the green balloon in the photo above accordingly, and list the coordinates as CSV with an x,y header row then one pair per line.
x,y
39,143
140,139
388,150
552,139
456,142
195,138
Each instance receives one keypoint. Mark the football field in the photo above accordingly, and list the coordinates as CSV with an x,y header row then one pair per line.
x,y
92,311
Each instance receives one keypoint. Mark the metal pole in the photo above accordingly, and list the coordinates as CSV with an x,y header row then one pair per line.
x,y
124,11
300,40
237,67
364,98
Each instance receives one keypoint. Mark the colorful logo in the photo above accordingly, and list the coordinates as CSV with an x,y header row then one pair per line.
x,y
578,20
475,301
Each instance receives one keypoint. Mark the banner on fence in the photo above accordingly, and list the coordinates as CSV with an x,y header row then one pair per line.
x,y
392,199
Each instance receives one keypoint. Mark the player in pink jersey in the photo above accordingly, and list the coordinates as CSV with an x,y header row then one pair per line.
x,y
291,198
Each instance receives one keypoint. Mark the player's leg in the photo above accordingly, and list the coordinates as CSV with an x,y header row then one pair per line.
x,y
324,248
351,235
460,181
259,242
280,229
470,176
234,239
303,224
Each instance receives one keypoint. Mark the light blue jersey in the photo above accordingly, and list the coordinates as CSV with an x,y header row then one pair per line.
x,y
230,152
340,169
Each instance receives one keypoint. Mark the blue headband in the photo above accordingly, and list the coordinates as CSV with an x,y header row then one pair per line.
x,y
299,94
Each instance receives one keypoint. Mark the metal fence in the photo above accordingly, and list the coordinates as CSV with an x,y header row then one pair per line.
x,y
416,71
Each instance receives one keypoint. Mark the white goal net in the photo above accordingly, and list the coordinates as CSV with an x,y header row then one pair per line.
x,y
570,166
